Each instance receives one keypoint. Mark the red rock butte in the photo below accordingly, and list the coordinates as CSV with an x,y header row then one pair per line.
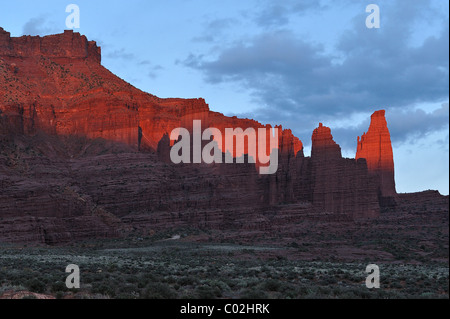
x,y
81,97
56,97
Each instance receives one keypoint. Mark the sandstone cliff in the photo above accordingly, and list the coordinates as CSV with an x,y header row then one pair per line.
x,y
85,154
56,84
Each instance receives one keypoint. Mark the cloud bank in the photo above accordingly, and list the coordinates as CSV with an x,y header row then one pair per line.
x,y
297,82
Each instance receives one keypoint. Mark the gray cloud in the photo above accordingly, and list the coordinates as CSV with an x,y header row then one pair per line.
x,y
154,70
278,13
214,29
120,54
410,124
296,83
39,26
404,124
123,54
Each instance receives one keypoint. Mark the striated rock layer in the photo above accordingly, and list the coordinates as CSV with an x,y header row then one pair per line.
x,y
83,154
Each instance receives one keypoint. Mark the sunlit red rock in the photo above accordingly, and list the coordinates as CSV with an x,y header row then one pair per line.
x,y
86,155
375,146
61,88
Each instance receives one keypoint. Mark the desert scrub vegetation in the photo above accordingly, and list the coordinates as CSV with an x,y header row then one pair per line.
x,y
182,270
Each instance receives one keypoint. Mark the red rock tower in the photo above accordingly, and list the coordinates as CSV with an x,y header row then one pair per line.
x,y
323,145
375,146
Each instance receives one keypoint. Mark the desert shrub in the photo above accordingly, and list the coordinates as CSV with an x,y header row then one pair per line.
x,y
308,275
303,291
187,281
253,293
170,279
58,287
35,285
158,291
208,292
129,289
104,289
232,283
328,281
272,285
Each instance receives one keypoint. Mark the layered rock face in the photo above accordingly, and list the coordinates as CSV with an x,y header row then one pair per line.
x,y
61,88
375,146
85,154
340,185
69,45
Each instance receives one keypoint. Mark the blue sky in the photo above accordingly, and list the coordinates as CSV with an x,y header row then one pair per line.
x,y
295,63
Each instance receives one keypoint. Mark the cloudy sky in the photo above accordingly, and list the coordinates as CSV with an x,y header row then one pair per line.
x,y
289,62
